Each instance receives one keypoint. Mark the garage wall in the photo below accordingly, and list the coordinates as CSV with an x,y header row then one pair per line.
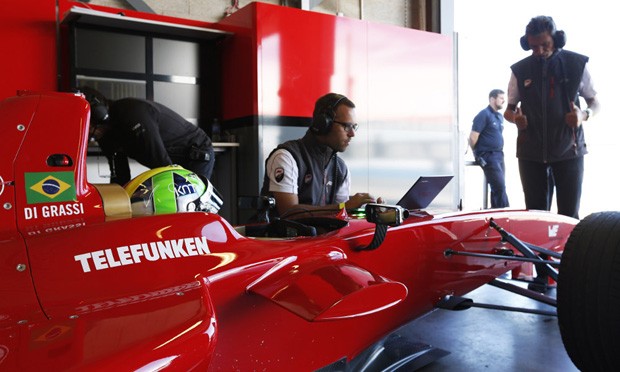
x,y
28,40
417,14
401,81
419,122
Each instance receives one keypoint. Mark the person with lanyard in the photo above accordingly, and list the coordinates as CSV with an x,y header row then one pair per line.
x,y
550,143
306,176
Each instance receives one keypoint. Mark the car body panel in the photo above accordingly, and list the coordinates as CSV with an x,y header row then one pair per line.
x,y
185,291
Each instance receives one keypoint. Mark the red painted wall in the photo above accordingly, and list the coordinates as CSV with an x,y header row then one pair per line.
x,y
30,43
401,80
275,66
294,56
279,60
29,46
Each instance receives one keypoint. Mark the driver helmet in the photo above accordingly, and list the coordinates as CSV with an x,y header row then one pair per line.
x,y
172,189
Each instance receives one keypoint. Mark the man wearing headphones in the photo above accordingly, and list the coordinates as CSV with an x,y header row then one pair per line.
x,y
149,132
306,175
550,143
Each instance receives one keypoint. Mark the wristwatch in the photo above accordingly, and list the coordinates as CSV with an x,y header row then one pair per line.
x,y
589,112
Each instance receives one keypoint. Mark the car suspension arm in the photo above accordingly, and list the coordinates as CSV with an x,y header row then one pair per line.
x,y
524,292
450,252
525,250
548,252
462,303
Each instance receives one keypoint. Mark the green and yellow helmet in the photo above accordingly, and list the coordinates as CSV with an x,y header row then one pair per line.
x,y
172,189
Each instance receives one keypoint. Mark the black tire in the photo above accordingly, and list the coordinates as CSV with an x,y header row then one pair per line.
x,y
589,293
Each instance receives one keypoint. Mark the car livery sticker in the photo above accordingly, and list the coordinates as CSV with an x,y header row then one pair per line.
x,y
137,253
553,230
138,298
45,187
1,185
46,228
53,210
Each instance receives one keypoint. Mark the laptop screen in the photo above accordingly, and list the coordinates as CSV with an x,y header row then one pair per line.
x,y
423,192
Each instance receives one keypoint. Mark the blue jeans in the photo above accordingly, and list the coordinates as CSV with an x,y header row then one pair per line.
x,y
538,180
492,163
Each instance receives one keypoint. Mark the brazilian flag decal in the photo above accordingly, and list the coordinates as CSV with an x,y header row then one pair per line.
x,y
46,187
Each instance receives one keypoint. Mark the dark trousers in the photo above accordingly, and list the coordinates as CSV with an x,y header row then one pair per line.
x,y
202,167
538,181
492,163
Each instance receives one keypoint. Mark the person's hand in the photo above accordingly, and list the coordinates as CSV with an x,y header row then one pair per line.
x,y
574,117
360,199
520,119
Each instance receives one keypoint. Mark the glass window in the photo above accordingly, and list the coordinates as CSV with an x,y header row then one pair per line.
x,y
110,51
182,98
176,58
126,65
114,89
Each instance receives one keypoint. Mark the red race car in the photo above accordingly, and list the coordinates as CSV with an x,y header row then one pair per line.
x,y
90,284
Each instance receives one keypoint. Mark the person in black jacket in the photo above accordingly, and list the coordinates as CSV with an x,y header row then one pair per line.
x,y
148,132
550,143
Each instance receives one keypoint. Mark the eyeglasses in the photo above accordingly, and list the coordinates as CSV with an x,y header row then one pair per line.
x,y
349,127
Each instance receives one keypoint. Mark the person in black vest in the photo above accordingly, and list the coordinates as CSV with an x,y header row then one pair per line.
x,y
306,175
550,143
148,132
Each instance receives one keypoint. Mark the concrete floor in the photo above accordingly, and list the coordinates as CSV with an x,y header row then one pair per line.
x,y
481,339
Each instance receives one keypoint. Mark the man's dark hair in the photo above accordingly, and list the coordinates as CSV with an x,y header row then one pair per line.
x,y
495,92
325,111
540,24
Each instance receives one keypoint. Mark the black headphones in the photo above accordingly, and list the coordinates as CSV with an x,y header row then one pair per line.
x,y
98,106
542,24
325,112
98,110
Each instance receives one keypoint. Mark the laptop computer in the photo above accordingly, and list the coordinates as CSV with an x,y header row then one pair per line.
x,y
423,192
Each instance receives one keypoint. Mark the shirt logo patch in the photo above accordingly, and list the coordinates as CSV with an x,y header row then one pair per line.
x,y
44,187
527,83
279,174
308,178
